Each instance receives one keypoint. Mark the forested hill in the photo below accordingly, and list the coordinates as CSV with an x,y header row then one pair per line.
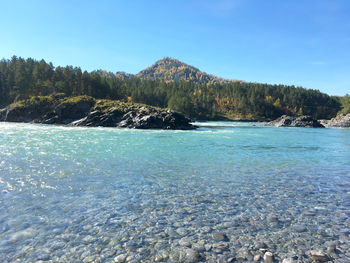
x,y
21,78
169,69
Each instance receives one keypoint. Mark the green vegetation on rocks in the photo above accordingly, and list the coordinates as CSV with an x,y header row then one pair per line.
x,y
87,111
345,104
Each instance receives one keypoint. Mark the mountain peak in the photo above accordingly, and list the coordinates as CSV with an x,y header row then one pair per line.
x,y
170,69
169,62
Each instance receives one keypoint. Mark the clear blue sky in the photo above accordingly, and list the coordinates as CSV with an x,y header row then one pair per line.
x,y
299,42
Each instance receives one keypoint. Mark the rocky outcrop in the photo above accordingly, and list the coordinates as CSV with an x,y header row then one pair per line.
x,y
142,118
86,111
3,113
342,120
296,121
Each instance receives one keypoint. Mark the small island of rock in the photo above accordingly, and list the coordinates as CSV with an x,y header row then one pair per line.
x,y
87,111
296,121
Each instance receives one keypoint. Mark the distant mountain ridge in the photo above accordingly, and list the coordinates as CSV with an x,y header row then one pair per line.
x,y
170,69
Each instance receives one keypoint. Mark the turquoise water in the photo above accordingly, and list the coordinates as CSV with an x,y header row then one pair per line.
x,y
90,194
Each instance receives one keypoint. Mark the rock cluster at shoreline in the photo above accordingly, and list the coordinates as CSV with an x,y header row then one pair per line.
x,y
296,121
342,120
86,111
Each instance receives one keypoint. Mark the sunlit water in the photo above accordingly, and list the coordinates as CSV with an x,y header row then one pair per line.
x,y
90,194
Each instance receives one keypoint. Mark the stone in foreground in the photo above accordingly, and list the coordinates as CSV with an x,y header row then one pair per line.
x,y
318,256
268,257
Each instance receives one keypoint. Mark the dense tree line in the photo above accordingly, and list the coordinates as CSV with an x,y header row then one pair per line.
x,y
20,78
345,104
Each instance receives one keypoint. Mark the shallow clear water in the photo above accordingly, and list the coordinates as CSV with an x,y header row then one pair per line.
x,y
91,194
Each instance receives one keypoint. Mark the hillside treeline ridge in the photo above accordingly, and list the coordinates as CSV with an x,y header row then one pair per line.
x,y
22,78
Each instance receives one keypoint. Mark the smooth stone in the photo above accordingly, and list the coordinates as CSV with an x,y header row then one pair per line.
x,y
318,256
185,242
260,245
220,236
205,229
268,257
109,253
181,231
308,213
21,235
57,245
244,253
207,247
220,246
271,219
158,258
262,250
342,260
256,258
331,249
131,258
89,259
120,258
44,256
288,260
198,247
191,256
171,232
299,228
161,257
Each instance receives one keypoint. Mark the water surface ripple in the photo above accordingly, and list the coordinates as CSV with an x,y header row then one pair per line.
x,y
105,194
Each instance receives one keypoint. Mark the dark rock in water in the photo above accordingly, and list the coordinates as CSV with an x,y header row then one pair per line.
x,y
98,118
342,120
68,112
86,111
136,119
296,121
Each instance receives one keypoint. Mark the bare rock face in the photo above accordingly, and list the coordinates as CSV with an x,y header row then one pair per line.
x,y
80,111
137,119
3,113
342,121
296,121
